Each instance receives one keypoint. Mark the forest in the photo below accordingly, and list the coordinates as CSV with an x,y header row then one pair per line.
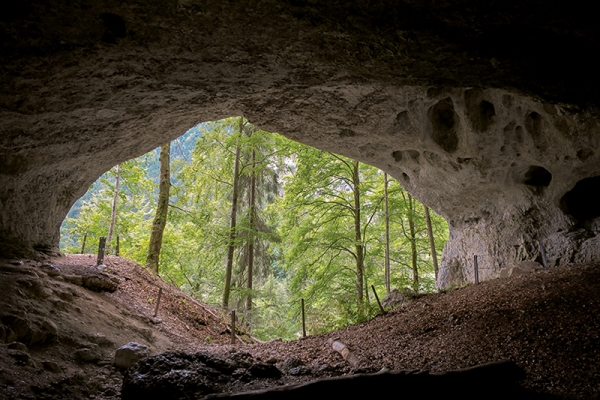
x,y
251,221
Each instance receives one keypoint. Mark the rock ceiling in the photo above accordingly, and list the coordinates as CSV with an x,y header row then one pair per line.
x,y
486,113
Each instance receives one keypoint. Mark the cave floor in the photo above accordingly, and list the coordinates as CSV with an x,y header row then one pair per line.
x,y
546,322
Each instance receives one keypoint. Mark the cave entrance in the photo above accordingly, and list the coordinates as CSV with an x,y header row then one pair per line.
x,y
581,202
294,234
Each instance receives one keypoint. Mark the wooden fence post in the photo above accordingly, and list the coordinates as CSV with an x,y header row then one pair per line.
x,y
303,320
378,302
232,326
543,252
101,247
83,244
157,301
476,270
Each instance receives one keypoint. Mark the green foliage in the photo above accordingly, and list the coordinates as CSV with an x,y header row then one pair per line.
x,y
304,236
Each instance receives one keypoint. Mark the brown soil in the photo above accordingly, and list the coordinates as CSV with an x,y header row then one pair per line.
x,y
546,322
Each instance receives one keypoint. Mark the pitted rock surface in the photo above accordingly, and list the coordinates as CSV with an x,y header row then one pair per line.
x,y
487,113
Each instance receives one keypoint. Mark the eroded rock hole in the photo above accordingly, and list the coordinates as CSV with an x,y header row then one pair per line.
x,y
479,111
582,201
584,154
413,154
533,124
444,122
114,27
538,177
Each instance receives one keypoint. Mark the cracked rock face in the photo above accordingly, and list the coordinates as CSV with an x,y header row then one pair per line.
x,y
487,114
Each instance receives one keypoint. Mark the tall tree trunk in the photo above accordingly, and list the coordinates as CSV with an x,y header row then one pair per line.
x,y
360,267
431,242
113,214
252,229
387,235
162,209
233,221
413,242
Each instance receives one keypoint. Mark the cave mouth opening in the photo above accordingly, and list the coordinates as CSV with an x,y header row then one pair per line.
x,y
538,177
296,205
581,202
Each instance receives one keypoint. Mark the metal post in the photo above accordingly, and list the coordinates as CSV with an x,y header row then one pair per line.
x,y
117,252
543,252
157,302
476,268
303,320
378,302
232,326
101,247
83,244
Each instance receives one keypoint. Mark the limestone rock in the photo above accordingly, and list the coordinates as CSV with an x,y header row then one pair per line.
x,y
264,370
98,282
51,366
50,269
18,346
179,375
398,297
20,357
88,354
129,354
501,138
101,340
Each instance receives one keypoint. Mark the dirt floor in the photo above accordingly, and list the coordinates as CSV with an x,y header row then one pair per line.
x,y
61,322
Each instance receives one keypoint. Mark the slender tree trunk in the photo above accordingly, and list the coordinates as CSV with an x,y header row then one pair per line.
x,y
413,242
233,221
431,242
387,235
162,209
113,214
360,267
251,230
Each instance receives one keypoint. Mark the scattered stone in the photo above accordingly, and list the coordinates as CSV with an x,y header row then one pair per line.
x,y
16,262
18,346
51,366
129,354
289,363
301,370
99,283
74,279
88,354
398,298
264,370
50,269
147,334
60,305
20,356
100,340
179,375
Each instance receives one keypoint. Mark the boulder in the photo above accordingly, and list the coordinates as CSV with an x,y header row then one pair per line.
x,y
129,354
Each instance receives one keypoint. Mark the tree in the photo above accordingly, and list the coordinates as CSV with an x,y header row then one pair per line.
x,y
327,212
233,221
387,234
431,241
113,213
162,208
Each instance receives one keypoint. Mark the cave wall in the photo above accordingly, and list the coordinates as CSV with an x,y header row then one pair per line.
x,y
486,113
